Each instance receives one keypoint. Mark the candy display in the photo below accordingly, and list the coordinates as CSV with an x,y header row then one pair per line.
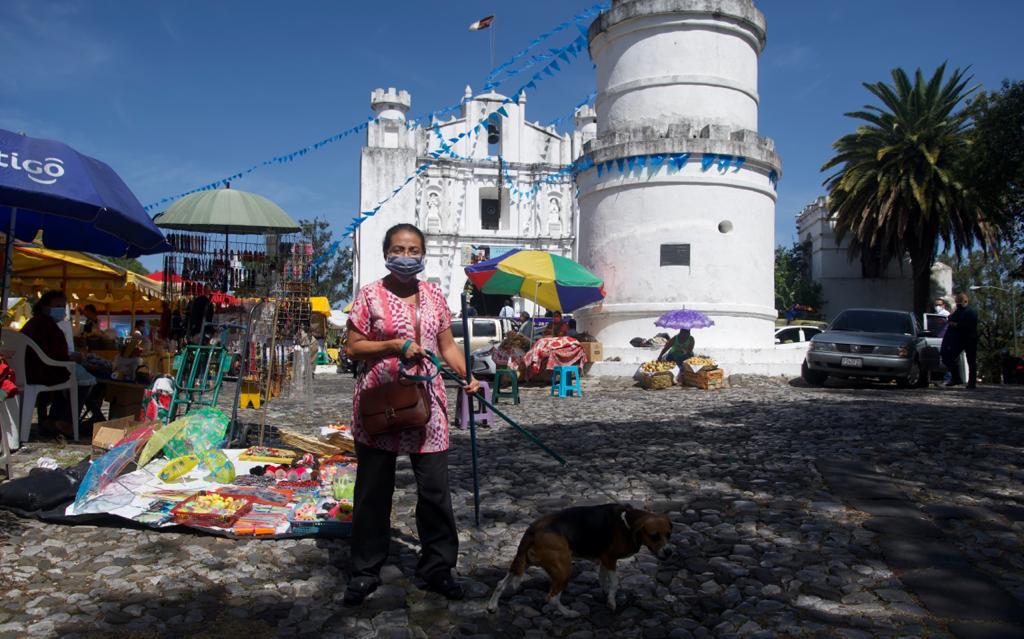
x,y
211,509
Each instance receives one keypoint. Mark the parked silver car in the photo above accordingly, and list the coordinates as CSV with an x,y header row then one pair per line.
x,y
882,344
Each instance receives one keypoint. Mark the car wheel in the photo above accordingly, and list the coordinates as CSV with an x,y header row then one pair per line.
x,y
913,377
812,377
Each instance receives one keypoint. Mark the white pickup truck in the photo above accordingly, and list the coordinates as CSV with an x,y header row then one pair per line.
x,y
484,332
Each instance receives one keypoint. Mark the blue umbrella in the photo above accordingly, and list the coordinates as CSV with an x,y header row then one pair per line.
x,y
78,202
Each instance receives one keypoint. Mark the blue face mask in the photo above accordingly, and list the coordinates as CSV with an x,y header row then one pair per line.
x,y
57,313
404,267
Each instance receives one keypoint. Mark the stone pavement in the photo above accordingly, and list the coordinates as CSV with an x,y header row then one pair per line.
x,y
839,512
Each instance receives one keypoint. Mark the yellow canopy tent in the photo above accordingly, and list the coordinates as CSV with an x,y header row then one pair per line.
x,y
84,279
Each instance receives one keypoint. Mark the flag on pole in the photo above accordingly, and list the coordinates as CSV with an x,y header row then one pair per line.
x,y
482,23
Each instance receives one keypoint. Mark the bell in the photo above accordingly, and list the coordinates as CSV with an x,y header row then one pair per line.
x,y
493,135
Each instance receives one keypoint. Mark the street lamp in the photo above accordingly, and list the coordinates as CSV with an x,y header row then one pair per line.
x,y
1013,307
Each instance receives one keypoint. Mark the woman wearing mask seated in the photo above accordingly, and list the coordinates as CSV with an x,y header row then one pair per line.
x,y
45,331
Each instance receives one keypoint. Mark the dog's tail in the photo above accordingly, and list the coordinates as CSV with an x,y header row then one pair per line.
x,y
521,560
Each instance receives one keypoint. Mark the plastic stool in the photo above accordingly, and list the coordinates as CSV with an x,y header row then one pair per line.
x,y
565,380
500,375
481,413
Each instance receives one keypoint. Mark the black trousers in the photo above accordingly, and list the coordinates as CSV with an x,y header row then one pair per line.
x,y
371,519
950,359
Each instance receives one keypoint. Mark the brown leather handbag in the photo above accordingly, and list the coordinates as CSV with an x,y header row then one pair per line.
x,y
400,405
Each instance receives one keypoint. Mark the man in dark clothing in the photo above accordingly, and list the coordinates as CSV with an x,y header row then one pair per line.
x,y
961,337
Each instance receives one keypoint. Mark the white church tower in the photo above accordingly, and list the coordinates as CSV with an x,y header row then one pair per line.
x,y
679,208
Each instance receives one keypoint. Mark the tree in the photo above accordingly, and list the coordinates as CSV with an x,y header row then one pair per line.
x,y
793,282
899,188
996,159
332,270
129,264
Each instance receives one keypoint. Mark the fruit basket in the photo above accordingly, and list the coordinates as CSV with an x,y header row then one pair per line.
x,y
699,363
211,510
656,375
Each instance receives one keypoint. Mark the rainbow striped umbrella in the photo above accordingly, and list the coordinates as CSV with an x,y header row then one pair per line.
x,y
555,282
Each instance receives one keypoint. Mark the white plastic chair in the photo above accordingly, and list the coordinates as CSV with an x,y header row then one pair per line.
x,y
9,413
13,349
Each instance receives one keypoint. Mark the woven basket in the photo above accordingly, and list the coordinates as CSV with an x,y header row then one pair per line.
x,y
656,381
312,444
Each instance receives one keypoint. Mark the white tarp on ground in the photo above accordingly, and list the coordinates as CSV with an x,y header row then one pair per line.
x,y
131,494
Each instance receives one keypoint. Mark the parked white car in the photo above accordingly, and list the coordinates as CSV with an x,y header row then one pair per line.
x,y
794,337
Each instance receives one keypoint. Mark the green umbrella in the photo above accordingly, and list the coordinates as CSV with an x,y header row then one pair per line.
x,y
227,211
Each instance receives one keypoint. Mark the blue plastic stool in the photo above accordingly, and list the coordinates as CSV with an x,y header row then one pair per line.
x,y
501,375
481,413
565,380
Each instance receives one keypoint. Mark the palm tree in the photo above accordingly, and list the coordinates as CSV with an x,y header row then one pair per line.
x,y
899,189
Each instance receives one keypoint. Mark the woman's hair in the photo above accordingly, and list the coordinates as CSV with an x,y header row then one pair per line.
x,y
44,301
90,307
398,228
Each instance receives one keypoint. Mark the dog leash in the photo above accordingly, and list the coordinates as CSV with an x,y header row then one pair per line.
x,y
569,468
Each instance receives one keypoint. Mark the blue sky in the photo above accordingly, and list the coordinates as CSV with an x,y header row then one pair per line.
x,y
175,95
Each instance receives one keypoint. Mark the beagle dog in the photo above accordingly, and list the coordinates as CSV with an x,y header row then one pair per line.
x,y
604,533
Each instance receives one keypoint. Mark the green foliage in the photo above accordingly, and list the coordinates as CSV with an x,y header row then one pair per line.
x,y
994,302
128,263
996,160
793,283
332,278
899,187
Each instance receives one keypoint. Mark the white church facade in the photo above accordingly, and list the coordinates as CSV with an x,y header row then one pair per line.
x,y
675,210
467,201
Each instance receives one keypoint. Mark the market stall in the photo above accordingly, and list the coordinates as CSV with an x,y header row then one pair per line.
x,y
177,475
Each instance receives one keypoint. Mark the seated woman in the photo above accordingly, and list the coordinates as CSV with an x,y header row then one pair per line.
x,y
557,328
44,330
678,349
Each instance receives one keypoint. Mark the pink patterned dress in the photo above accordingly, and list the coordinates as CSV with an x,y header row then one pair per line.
x,y
381,315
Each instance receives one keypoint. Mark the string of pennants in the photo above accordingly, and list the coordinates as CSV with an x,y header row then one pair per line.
x,y
542,57
492,83
570,52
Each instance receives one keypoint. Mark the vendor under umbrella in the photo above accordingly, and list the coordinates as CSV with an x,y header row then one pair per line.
x,y
680,347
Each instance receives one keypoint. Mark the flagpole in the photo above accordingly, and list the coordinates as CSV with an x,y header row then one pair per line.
x,y
492,43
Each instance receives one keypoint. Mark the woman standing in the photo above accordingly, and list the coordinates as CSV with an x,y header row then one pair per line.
x,y
393,319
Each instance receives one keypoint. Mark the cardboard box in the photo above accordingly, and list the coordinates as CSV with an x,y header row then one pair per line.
x,y
594,351
106,434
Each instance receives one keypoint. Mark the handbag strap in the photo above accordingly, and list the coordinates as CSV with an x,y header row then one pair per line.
x,y
404,365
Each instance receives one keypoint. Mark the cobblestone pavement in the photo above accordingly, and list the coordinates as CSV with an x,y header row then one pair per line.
x,y
798,512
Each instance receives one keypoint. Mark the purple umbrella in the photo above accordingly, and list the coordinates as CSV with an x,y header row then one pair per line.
x,y
681,319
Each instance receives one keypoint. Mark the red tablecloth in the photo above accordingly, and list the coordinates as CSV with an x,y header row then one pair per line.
x,y
549,352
